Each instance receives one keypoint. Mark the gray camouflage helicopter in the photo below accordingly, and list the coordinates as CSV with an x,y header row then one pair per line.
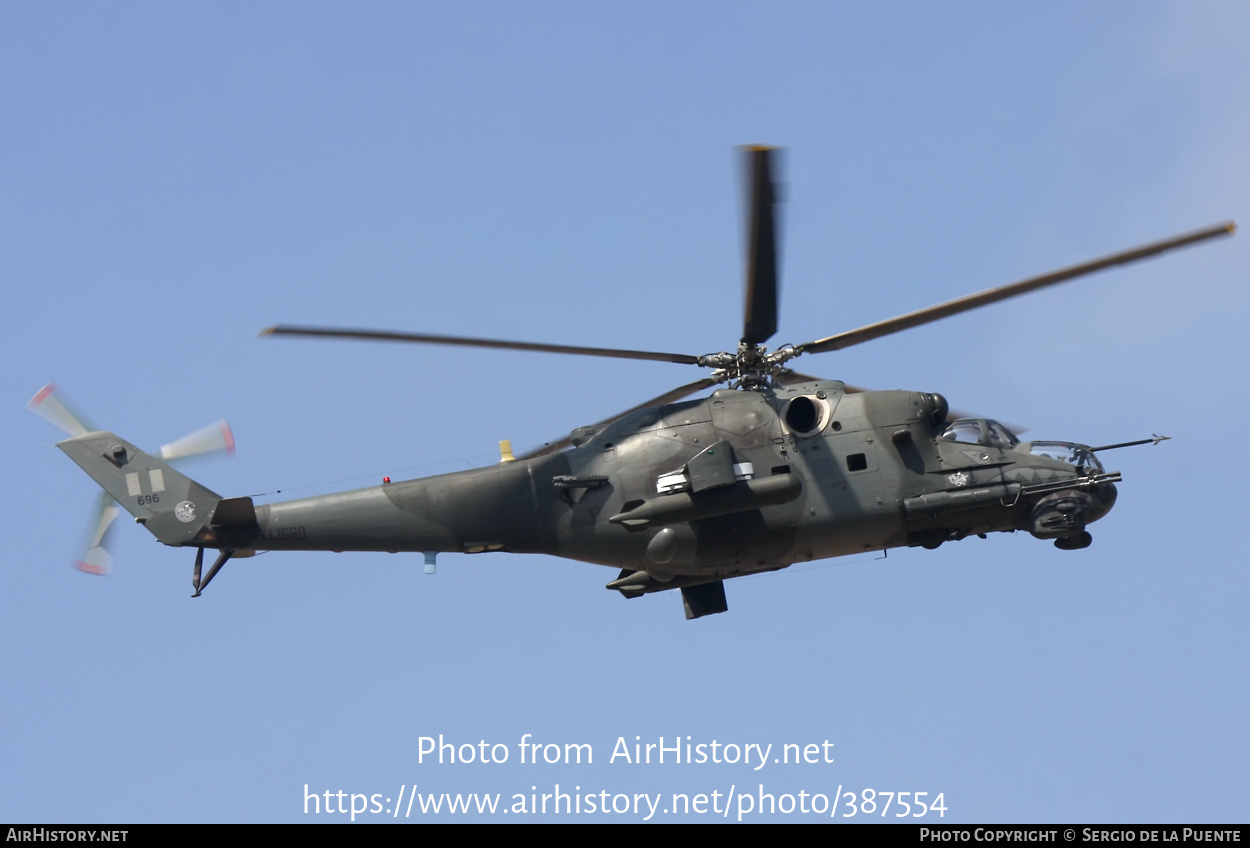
x,y
776,468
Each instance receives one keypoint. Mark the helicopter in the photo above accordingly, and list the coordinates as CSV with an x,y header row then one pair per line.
x,y
774,468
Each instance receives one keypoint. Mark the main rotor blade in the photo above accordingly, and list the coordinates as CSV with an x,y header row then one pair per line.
x,y
789,377
760,321
973,301
463,341
666,398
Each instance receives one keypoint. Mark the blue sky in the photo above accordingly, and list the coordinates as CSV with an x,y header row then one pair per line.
x,y
177,177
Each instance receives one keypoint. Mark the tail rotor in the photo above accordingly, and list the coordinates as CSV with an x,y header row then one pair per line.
x,y
52,406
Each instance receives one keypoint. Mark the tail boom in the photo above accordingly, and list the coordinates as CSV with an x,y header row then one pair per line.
x,y
485,509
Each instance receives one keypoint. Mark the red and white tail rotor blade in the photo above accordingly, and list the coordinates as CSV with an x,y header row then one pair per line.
x,y
52,407
211,439
98,558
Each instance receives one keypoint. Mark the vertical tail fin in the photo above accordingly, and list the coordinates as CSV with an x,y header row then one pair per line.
x,y
172,506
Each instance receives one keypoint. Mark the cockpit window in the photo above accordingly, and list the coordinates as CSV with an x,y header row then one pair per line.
x,y
1067,452
980,432
964,430
998,435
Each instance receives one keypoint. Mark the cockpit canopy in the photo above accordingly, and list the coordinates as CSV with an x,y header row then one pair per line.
x,y
984,431
1068,452
980,431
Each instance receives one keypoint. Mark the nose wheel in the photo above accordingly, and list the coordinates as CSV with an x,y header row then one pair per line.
x,y
1074,542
